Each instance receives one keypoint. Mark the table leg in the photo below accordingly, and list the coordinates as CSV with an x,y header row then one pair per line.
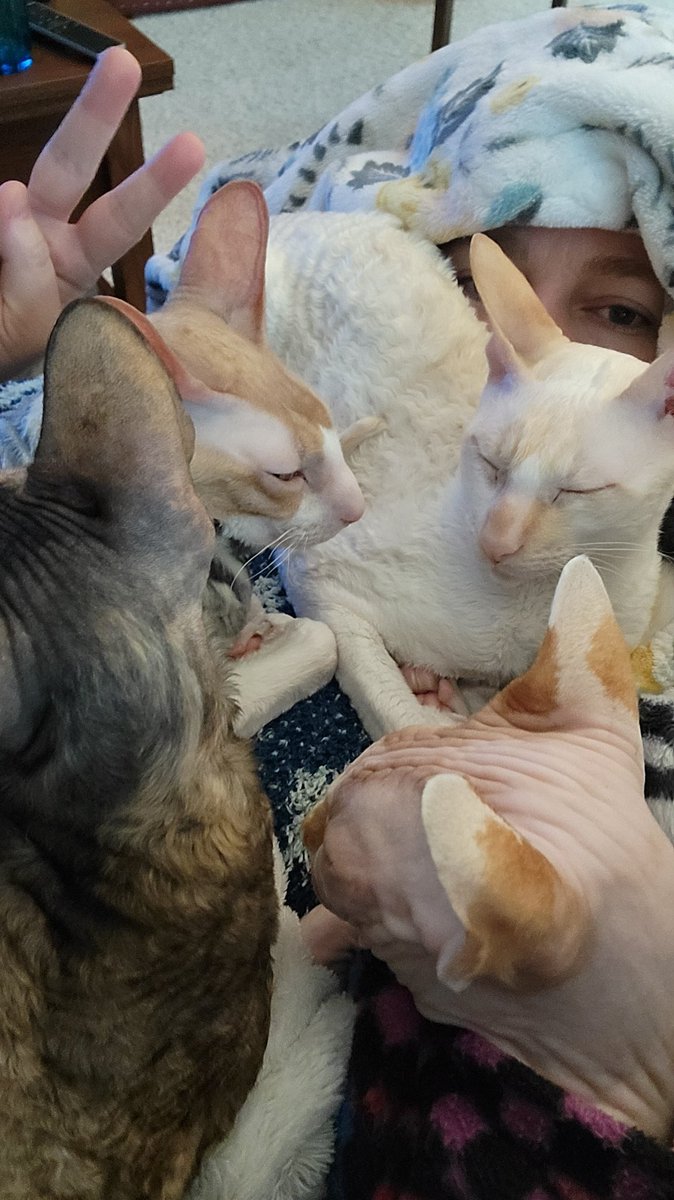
x,y
124,156
442,22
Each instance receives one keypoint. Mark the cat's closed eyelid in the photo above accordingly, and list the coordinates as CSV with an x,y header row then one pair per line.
x,y
286,476
569,491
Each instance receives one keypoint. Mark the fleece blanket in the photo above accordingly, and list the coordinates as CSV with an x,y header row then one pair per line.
x,y
563,118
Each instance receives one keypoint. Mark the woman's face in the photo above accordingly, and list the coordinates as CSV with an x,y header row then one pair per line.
x,y
598,285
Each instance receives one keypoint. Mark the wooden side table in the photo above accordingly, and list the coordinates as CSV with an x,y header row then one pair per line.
x,y
33,103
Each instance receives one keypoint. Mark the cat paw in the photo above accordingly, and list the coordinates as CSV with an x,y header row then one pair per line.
x,y
251,638
434,691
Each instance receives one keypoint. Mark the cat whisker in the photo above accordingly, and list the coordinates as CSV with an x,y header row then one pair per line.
x,y
270,546
610,546
283,550
606,568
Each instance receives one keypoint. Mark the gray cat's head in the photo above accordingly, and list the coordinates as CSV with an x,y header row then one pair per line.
x,y
105,678
572,447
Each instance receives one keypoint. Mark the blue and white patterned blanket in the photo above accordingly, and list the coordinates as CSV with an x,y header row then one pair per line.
x,y
563,118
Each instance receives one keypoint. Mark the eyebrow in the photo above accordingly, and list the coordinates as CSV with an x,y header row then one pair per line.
x,y
621,266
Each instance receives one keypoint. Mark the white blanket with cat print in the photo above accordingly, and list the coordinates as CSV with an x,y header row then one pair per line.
x,y
563,118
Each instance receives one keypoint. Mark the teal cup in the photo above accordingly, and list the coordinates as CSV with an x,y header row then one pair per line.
x,y
15,52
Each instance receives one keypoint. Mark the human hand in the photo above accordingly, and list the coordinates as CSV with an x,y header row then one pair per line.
x,y
511,874
44,260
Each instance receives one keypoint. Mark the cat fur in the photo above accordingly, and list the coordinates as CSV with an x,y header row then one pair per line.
x,y
137,898
372,318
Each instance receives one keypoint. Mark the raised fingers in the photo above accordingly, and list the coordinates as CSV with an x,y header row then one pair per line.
x,y
70,159
117,221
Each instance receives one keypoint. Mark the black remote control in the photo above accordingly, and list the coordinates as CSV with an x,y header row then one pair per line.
x,y
66,31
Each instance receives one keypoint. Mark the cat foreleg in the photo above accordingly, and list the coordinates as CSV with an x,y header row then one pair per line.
x,y
297,659
373,681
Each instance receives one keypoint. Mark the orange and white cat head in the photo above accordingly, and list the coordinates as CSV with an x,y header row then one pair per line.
x,y
267,460
572,448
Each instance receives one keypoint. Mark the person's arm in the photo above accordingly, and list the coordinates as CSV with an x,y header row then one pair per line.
x,y
45,261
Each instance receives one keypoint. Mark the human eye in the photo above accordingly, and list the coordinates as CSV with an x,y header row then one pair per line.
x,y
627,317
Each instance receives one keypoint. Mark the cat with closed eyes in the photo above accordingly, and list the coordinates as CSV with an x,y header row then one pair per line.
x,y
493,470
268,463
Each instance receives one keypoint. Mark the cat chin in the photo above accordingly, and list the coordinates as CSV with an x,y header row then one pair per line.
x,y
524,569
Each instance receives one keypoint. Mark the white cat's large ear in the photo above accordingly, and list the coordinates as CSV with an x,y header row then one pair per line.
x,y
525,925
583,670
522,331
653,389
225,263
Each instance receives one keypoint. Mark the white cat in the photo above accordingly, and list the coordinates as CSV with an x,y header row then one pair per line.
x,y
484,481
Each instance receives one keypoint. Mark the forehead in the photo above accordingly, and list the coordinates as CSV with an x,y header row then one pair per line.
x,y
611,251
570,252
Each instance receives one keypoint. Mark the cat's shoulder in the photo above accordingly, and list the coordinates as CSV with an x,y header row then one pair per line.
x,y
366,241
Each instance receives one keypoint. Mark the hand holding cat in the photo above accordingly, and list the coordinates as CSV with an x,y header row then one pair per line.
x,y
45,260
511,874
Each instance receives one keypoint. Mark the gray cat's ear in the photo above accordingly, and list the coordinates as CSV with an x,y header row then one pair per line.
x,y
522,331
225,263
112,415
190,389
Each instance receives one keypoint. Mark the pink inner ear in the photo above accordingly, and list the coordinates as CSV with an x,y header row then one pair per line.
x,y
501,358
225,261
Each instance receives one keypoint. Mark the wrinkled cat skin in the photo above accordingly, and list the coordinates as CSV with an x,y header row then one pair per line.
x,y
510,873
490,473
137,901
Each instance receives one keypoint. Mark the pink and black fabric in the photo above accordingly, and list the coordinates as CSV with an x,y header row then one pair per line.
x,y
432,1112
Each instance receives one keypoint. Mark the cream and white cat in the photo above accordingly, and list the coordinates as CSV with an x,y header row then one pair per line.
x,y
267,462
486,479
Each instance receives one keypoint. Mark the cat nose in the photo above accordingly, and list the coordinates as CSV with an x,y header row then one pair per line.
x,y
507,527
352,504
496,550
